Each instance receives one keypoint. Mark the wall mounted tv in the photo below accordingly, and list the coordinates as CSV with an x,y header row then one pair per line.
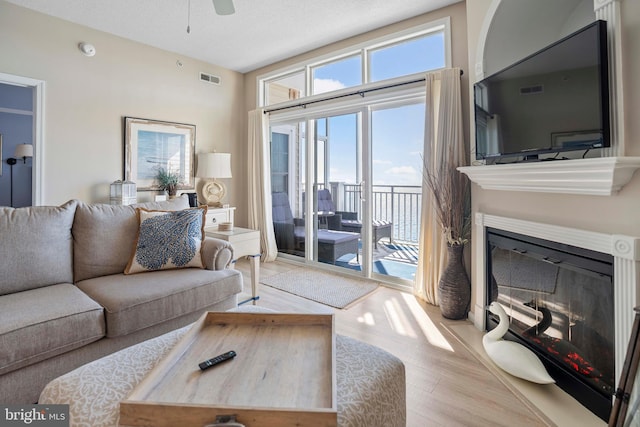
x,y
554,101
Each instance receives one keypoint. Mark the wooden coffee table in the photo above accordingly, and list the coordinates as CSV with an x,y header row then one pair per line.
x,y
374,396
283,374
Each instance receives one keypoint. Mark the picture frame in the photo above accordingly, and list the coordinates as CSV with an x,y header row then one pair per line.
x,y
153,144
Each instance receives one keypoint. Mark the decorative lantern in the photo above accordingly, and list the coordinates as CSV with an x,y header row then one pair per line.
x,y
123,193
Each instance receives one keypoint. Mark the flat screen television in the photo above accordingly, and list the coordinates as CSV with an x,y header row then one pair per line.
x,y
554,101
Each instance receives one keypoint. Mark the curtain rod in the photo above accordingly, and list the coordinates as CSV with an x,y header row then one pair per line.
x,y
358,92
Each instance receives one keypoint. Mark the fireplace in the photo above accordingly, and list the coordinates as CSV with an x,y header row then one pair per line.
x,y
625,255
560,302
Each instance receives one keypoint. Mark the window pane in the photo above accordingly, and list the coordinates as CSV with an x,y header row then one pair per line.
x,y
321,127
287,160
409,57
279,162
284,88
397,138
337,75
343,144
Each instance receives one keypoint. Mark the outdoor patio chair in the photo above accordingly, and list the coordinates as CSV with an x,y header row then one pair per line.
x,y
289,231
348,221
290,235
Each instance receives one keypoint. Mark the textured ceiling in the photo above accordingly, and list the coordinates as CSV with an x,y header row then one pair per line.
x,y
259,33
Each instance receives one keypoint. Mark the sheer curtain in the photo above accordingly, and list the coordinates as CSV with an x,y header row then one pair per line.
x,y
259,174
443,126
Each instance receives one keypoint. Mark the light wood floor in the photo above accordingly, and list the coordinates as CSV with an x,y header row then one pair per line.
x,y
446,384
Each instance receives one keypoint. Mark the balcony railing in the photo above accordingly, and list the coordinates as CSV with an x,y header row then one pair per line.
x,y
399,204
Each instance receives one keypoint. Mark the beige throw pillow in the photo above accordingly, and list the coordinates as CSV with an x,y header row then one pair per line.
x,y
168,240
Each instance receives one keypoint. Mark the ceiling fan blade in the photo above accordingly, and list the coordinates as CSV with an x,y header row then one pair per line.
x,y
224,7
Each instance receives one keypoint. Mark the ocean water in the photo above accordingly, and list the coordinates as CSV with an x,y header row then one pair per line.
x,y
400,205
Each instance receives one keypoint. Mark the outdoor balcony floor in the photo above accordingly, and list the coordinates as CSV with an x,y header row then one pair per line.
x,y
397,259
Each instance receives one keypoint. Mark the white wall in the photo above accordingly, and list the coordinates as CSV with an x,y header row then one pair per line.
x,y
87,97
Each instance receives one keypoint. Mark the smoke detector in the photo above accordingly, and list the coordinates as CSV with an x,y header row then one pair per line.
x,y
87,49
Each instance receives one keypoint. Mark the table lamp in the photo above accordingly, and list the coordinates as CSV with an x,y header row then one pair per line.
x,y
213,166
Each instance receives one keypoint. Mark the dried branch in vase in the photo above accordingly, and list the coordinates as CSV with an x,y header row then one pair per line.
x,y
450,191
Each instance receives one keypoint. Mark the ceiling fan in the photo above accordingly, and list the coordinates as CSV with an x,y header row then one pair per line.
x,y
224,7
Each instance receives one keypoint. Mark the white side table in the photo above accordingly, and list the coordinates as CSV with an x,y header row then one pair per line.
x,y
246,242
217,215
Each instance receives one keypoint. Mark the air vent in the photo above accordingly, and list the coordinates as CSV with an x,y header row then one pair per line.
x,y
210,78
531,90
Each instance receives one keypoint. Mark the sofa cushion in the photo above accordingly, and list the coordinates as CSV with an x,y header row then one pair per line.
x,y
104,236
36,247
40,323
167,240
137,301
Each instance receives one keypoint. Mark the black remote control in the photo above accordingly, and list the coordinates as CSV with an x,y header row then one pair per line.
x,y
218,359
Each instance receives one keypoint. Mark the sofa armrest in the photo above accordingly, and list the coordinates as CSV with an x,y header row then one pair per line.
x,y
217,254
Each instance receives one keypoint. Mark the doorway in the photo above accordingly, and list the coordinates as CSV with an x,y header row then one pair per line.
x,y
363,169
316,156
21,122
16,127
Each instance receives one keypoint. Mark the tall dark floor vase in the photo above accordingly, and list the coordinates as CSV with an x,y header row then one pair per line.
x,y
454,287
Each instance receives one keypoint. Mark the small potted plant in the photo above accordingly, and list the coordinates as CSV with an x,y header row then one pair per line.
x,y
168,181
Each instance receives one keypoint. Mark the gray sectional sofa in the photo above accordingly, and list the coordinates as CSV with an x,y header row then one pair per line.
x,y
64,300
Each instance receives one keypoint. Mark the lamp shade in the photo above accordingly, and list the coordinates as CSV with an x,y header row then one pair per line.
x,y
23,150
214,165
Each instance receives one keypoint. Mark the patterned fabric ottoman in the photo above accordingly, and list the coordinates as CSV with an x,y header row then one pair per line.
x,y
370,382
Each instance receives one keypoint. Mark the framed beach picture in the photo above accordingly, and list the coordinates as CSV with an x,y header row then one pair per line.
x,y
151,145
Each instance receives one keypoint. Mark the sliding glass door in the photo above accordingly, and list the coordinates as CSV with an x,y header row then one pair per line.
x,y
337,162
287,185
397,143
321,157
362,168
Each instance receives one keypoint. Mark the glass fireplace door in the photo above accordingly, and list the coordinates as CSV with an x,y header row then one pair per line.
x,y
560,303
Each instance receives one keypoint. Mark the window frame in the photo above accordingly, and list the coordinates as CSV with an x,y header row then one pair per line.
x,y
362,49
280,76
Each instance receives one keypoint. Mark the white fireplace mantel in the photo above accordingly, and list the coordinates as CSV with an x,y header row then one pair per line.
x,y
601,176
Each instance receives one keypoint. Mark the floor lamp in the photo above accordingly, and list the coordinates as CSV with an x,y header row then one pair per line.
x,y
24,151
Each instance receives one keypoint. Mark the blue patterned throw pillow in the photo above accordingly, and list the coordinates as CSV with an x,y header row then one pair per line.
x,y
168,240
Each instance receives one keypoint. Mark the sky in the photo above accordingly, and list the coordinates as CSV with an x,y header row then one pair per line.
x,y
397,133
397,141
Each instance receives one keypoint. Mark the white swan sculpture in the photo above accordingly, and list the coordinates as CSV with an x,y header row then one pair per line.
x,y
510,356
